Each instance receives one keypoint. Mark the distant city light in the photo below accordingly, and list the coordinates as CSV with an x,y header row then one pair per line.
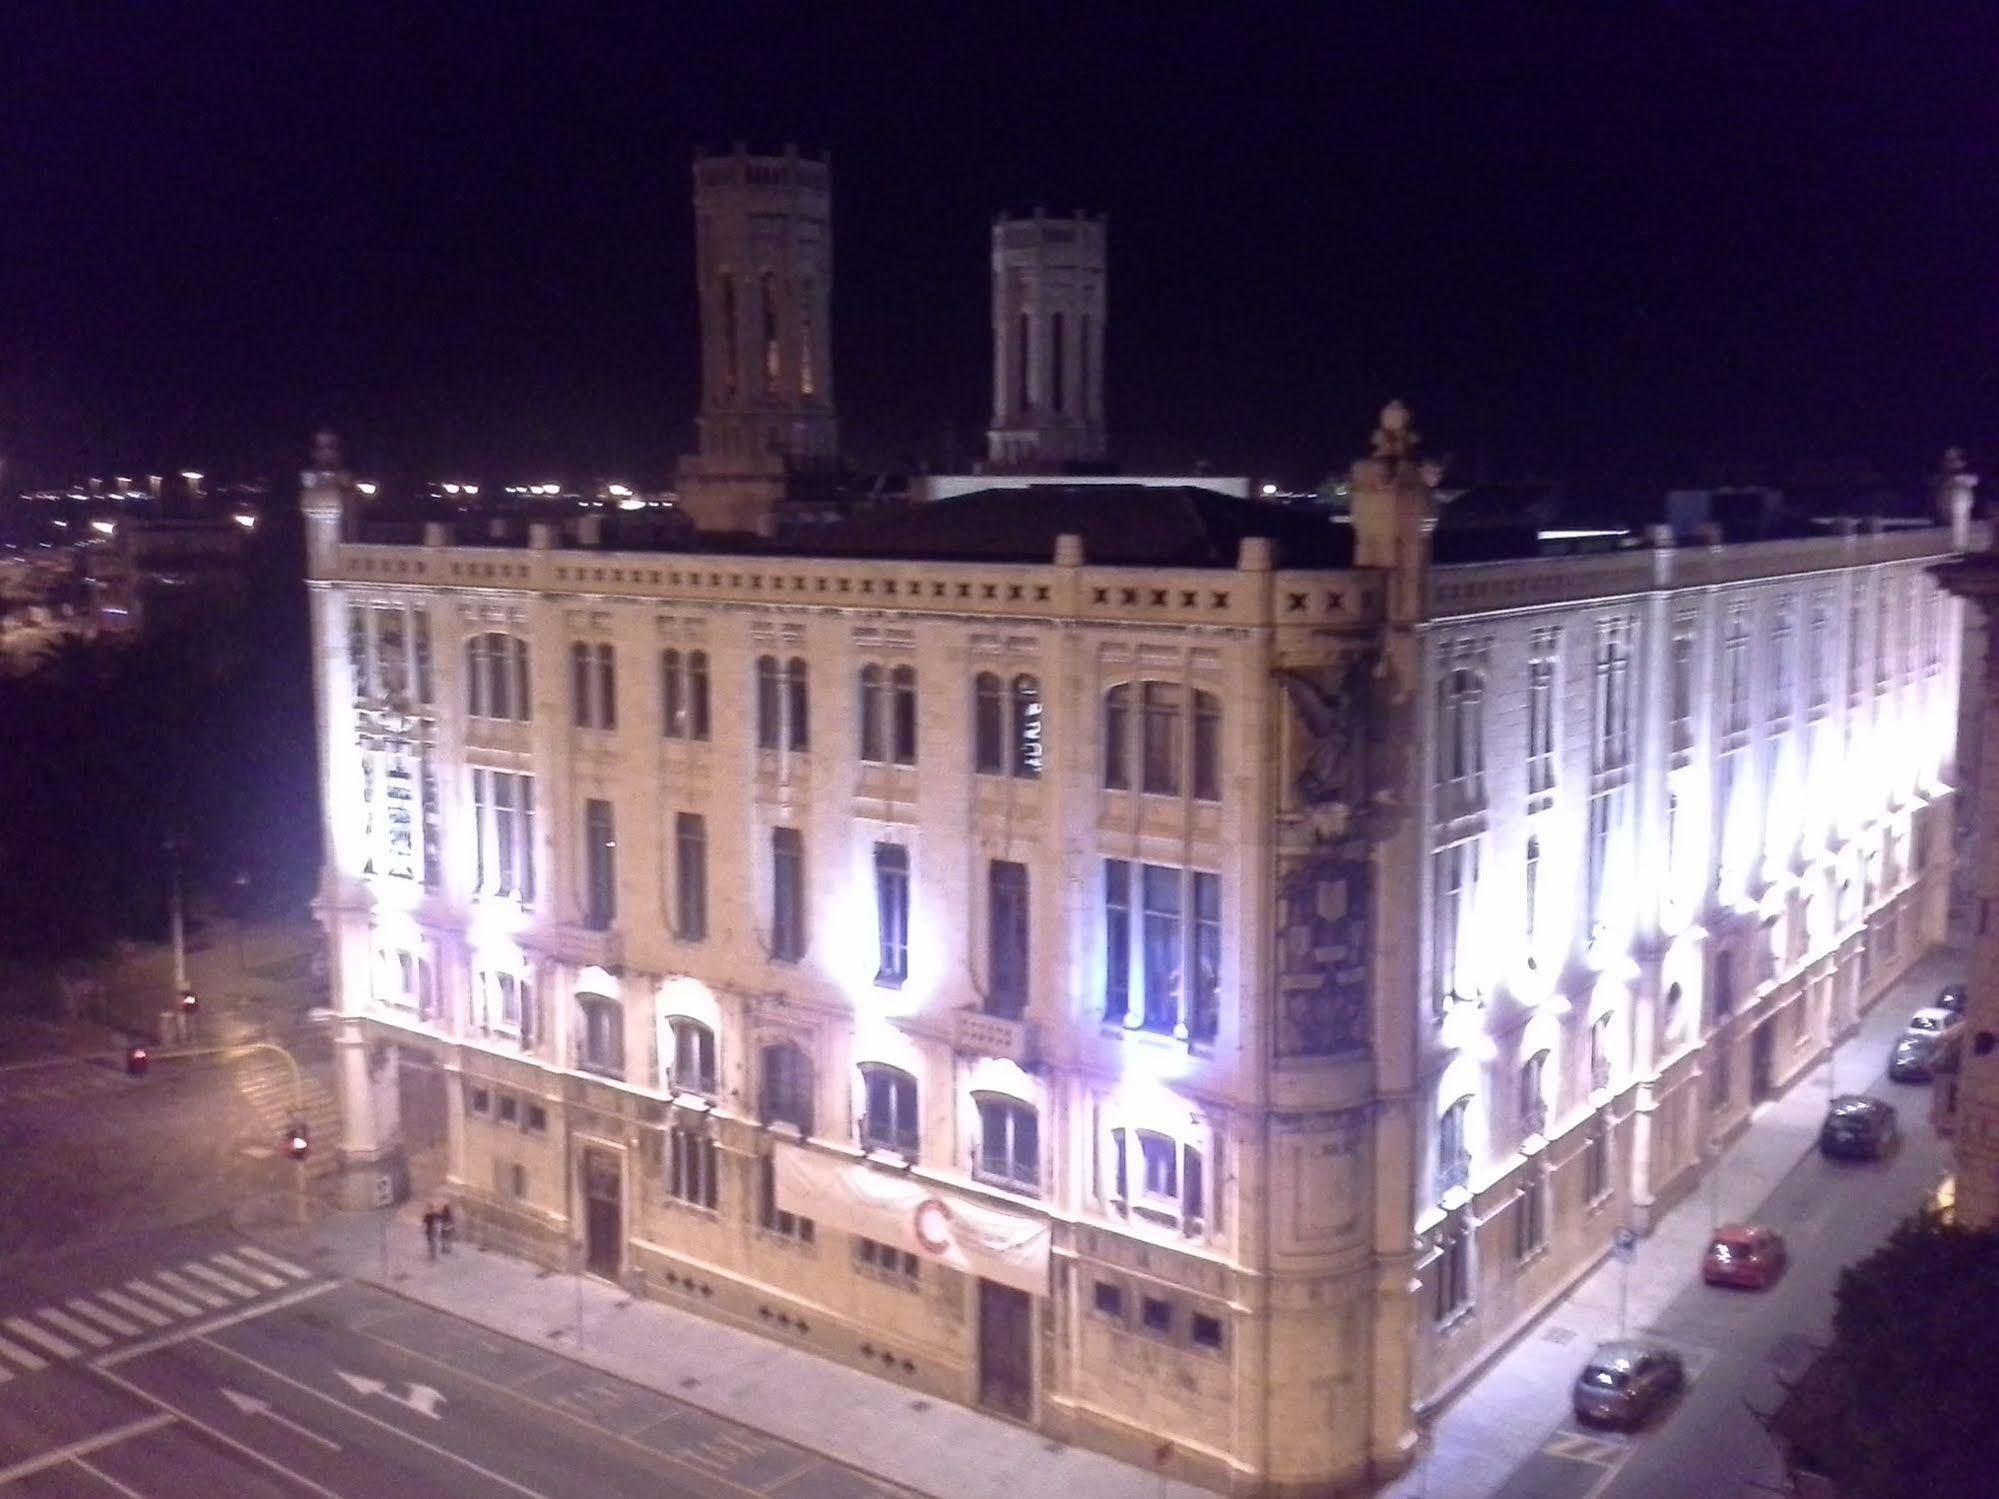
x,y
1269,490
451,489
632,503
469,488
365,487
246,520
103,527
190,475
620,490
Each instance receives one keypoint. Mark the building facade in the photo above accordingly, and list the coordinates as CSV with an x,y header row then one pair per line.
x,y
1196,1010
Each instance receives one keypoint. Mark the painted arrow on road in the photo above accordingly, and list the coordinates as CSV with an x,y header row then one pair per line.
x,y
422,1398
250,1405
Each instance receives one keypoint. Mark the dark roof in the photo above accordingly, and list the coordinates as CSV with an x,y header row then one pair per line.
x,y
1130,525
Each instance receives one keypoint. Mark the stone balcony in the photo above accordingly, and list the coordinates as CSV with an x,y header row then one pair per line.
x,y
979,1034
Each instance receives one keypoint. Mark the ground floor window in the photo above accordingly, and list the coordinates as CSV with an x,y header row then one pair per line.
x,y
1453,1277
1596,1166
886,1260
774,1218
693,1163
1530,1217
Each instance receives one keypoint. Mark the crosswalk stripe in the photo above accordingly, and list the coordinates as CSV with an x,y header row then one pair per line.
x,y
135,1308
166,1299
248,1272
188,1288
58,1318
29,1361
103,1318
4,1375
283,1267
22,1327
217,1278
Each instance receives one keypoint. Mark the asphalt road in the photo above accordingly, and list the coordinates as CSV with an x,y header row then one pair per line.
x,y
1740,1345
292,1383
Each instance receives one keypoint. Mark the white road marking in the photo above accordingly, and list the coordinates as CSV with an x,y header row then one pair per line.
x,y
134,1307
283,1267
250,1405
102,1318
248,1272
217,1278
187,1287
166,1299
29,1361
79,1330
85,1447
171,1411
22,1327
106,1479
358,1413
214,1324
5,1376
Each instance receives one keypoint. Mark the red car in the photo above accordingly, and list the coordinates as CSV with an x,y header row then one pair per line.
x,y
1741,1254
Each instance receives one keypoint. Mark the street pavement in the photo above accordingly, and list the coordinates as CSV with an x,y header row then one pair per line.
x,y
1510,1435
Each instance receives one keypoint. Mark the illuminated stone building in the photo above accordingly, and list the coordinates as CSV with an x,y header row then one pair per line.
x,y
1196,977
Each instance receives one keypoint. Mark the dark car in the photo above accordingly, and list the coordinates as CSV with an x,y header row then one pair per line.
x,y
1623,1383
1857,1128
1745,1255
1952,997
1913,1059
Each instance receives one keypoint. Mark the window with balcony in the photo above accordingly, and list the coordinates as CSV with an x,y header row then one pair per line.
x,y
690,877
1174,742
1006,938
1009,1152
786,1085
888,714
496,677
891,913
1165,976
593,685
891,1121
693,1064
787,894
503,814
600,866
600,1039
683,694
693,1167
1159,1180
1006,725
1453,1149
783,716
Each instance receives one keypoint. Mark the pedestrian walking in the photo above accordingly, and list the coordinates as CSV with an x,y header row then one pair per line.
x,y
446,1227
430,1230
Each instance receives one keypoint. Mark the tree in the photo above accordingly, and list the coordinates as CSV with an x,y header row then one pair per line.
x,y
1914,1329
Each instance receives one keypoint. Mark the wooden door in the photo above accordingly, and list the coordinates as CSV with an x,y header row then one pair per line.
x,y
603,1214
1006,1350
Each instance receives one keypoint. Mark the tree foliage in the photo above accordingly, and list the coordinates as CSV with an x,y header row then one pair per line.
x,y
1916,1327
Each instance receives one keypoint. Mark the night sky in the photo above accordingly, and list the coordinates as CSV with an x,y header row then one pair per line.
x,y
1616,240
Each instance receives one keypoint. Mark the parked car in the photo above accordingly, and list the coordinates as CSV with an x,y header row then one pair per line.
x,y
1933,1020
1745,1255
1857,1128
1913,1059
1624,1382
1952,997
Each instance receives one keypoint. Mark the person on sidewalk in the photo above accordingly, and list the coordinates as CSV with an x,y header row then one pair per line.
x,y
430,1229
446,1226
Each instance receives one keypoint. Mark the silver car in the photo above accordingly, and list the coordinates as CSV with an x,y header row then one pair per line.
x,y
1623,1383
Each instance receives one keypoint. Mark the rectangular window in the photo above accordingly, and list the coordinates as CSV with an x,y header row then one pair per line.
x,y
479,1100
782,704
892,912
1155,1315
1599,1052
601,1041
693,1166
1453,1277
1454,876
1159,756
535,1119
787,902
1205,1331
774,1219
503,809
1596,1166
1597,854
1683,686
1612,709
1107,1299
683,694
509,1111
690,877
600,854
1009,1153
886,1261
1179,936
1541,717
593,685
891,1122
1530,1216
1006,937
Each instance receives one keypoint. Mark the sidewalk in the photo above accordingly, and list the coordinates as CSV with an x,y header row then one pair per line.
x,y
888,1430
1504,1415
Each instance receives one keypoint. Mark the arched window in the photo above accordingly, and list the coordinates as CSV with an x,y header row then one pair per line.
x,y
786,1085
1158,1179
1009,1148
782,703
888,714
593,684
1178,739
1453,1150
988,725
694,1068
1534,1094
496,677
683,694
600,1039
891,1121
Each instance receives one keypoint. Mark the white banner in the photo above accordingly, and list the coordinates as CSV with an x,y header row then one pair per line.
x,y
914,1215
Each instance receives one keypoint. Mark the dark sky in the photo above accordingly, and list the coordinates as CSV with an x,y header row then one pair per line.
x,y
1619,238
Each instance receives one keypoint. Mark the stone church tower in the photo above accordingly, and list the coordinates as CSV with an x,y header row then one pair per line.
x,y
1048,342
764,278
